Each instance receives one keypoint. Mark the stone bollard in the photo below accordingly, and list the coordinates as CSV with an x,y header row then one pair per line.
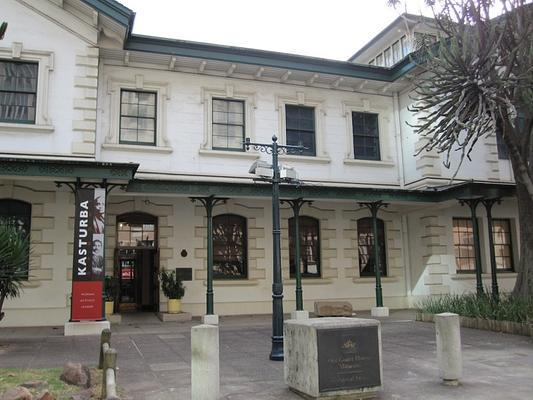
x,y
110,363
449,355
105,337
205,378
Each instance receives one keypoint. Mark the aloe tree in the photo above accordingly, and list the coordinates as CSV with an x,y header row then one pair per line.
x,y
14,252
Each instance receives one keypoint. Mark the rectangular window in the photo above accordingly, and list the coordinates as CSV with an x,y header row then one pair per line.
x,y
300,128
388,57
228,124
309,247
18,91
463,243
18,214
396,52
365,136
365,246
503,153
406,49
379,60
138,117
503,249
372,62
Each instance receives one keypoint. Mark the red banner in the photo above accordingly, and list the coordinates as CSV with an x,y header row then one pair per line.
x,y
88,265
87,300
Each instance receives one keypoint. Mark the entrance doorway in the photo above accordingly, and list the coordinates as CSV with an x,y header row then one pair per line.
x,y
137,262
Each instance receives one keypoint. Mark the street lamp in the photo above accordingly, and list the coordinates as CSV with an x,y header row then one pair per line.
x,y
276,353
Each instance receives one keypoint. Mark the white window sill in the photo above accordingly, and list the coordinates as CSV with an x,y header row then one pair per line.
x,y
309,281
135,147
29,128
233,282
228,154
372,279
369,163
305,159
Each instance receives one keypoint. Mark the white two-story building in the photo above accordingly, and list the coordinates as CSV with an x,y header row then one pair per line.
x,y
83,101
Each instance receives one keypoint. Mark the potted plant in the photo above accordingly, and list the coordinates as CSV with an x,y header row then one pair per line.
x,y
110,293
14,253
173,289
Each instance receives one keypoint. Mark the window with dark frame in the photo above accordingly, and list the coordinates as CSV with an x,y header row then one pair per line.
x,y
300,128
138,116
365,136
463,244
18,213
229,247
228,124
18,91
365,245
309,247
503,247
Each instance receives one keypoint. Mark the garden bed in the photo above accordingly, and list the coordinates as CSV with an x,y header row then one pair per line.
x,y
515,328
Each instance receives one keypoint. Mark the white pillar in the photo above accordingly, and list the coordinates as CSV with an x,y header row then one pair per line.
x,y
449,347
205,378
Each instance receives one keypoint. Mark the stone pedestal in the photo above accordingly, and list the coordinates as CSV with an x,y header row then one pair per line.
x,y
299,314
379,311
178,317
85,328
205,378
210,319
333,357
449,355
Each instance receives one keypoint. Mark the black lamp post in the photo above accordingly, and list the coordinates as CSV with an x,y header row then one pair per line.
x,y
473,203
488,203
296,205
275,149
209,203
374,207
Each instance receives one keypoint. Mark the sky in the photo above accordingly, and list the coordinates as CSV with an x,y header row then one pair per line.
x,y
333,29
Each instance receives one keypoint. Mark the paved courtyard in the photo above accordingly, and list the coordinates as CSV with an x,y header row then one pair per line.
x,y
154,359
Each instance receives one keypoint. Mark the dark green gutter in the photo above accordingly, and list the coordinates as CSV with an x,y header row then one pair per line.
x,y
67,169
468,189
273,59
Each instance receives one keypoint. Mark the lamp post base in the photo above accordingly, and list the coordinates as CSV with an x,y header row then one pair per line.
x,y
379,312
276,354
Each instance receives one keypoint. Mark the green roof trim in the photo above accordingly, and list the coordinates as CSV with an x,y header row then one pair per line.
x,y
266,58
67,169
116,11
186,188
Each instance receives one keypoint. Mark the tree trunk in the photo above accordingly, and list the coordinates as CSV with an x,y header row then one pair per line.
x,y
1,305
524,281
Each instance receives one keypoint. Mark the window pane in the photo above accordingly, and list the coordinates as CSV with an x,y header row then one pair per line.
x,y
138,117
229,247
501,233
300,128
18,214
463,239
18,91
228,124
309,247
365,240
365,136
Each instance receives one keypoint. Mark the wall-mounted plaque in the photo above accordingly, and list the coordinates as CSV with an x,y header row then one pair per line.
x,y
184,273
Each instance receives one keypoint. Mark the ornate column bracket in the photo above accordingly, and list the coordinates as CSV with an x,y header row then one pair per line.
x,y
209,203
374,207
473,202
78,184
296,205
488,203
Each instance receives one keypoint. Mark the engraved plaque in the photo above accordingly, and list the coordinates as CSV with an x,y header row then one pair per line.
x,y
348,358
184,273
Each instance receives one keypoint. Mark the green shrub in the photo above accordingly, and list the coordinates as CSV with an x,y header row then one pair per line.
x,y
172,285
508,308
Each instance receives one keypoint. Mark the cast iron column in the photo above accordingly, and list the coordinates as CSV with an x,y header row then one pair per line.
x,y
209,203
473,203
374,208
488,203
275,149
296,205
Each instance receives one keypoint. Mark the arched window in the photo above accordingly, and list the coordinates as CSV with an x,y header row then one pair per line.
x,y
18,213
229,247
309,247
365,242
136,229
